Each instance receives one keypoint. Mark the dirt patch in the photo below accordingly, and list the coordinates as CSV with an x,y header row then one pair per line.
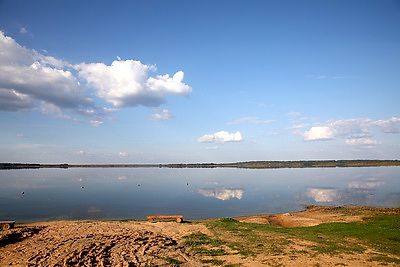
x,y
139,243
315,215
97,244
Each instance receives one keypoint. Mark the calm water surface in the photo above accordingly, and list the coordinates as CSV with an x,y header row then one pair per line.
x,y
134,193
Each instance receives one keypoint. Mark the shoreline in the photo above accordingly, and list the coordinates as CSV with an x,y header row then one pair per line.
x,y
239,165
310,216
137,243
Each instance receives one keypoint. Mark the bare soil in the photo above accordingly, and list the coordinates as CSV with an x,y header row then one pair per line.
x,y
312,216
140,243
95,243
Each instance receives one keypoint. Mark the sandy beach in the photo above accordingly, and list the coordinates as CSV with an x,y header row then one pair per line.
x,y
143,243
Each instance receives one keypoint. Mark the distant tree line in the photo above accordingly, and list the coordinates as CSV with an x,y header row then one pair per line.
x,y
248,164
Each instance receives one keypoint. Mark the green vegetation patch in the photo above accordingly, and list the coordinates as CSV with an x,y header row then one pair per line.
x,y
172,261
214,262
198,239
204,245
381,233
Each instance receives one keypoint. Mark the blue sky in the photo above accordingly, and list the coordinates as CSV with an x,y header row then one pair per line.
x,y
198,81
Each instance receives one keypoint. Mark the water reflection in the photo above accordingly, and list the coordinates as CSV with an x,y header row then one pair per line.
x,y
221,193
323,194
342,197
362,191
123,193
366,184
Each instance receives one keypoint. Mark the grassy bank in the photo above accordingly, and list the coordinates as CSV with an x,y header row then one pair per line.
x,y
375,239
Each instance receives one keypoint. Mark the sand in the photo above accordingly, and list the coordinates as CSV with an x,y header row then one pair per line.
x,y
142,243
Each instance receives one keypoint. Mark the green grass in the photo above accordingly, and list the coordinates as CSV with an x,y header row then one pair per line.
x,y
204,245
198,239
383,258
381,233
214,262
172,261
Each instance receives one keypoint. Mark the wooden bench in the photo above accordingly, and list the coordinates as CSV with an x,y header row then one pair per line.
x,y
178,218
5,225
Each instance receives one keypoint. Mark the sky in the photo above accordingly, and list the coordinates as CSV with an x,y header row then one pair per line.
x,y
178,81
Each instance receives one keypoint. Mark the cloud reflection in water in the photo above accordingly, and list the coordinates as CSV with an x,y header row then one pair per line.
x,y
366,184
221,193
323,194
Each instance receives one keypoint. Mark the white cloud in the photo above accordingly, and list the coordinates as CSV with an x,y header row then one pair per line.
x,y
54,111
164,114
318,133
27,76
30,81
169,85
250,120
126,83
80,152
96,123
391,125
123,154
298,126
353,129
362,142
222,193
221,137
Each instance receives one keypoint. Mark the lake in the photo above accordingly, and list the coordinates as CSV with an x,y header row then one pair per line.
x,y
29,195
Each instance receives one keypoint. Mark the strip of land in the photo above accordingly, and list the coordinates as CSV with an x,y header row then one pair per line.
x,y
248,164
335,236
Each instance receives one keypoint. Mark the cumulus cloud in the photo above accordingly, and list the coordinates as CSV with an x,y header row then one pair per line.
x,y
11,100
221,137
30,80
28,73
356,131
126,83
319,133
164,114
222,193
